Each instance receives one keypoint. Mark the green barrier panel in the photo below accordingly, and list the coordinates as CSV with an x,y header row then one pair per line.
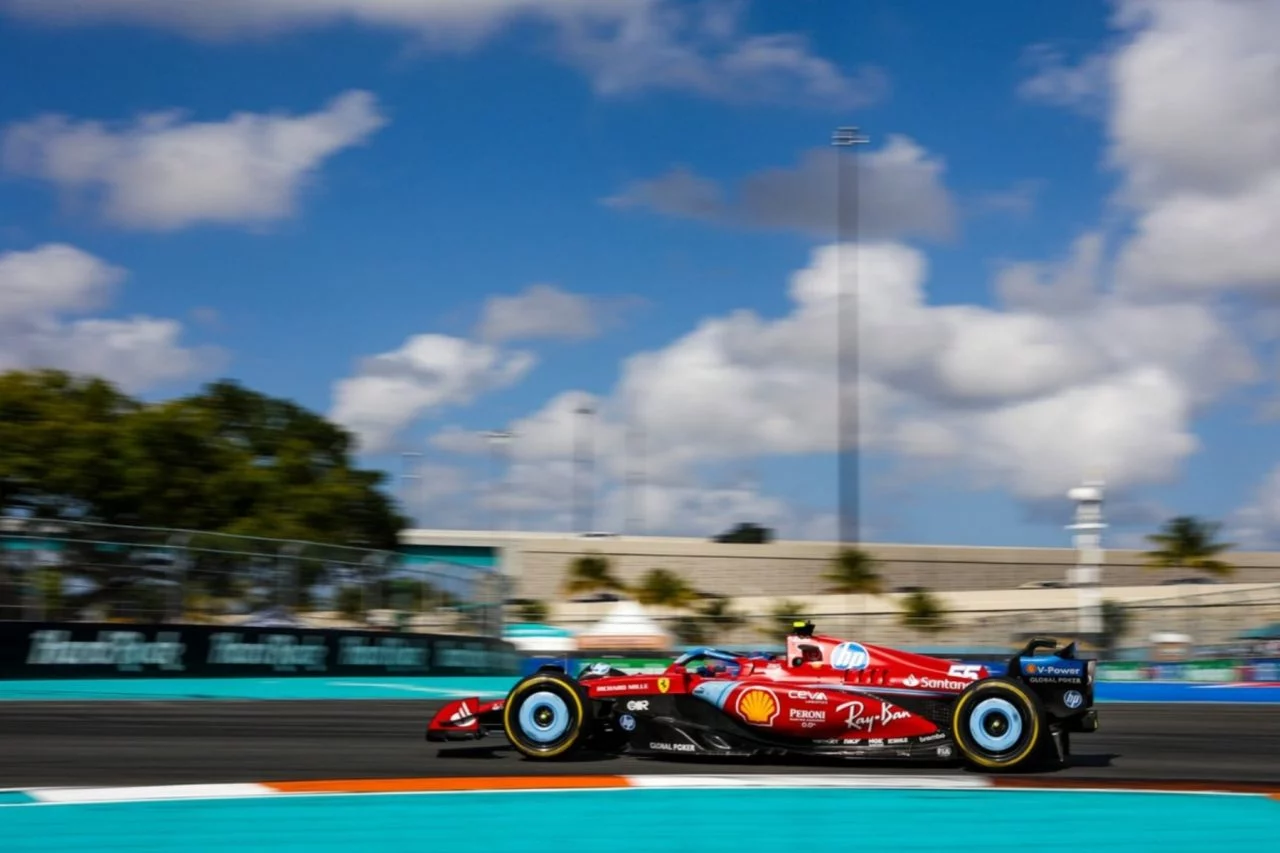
x,y
1123,671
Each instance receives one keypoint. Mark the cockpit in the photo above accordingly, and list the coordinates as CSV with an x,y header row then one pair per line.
x,y
802,649
801,653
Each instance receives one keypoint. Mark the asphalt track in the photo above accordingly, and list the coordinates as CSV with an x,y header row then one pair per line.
x,y
158,743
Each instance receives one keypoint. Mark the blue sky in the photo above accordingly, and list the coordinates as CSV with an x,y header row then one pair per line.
x,y
402,174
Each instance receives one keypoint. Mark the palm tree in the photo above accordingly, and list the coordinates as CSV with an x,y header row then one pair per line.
x,y
713,618
923,611
1188,542
664,588
1115,622
782,616
853,572
533,611
589,573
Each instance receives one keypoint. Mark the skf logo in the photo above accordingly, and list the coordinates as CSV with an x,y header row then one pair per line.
x,y
664,684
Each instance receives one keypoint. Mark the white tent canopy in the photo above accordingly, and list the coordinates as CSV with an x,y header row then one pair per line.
x,y
540,638
625,626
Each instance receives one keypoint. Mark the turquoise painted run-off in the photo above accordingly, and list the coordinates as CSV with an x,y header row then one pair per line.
x,y
697,821
391,687
254,689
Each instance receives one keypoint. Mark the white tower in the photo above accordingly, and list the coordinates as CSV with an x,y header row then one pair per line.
x,y
1088,529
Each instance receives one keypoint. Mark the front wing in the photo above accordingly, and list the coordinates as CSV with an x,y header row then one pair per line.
x,y
467,720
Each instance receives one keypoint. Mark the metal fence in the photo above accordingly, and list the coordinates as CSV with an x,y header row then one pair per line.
x,y
101,572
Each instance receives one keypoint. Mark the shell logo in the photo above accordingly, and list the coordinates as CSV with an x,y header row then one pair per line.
x,y
758,706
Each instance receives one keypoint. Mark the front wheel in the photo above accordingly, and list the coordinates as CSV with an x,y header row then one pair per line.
x,y
545,716
999,725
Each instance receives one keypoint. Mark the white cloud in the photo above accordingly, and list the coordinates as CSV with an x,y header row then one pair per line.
x,y
1256,525
1018,399
1018,200
426,374
1054,288
39,287
623,46
899,192
53,278
702,50
164,172
1081,86
539,494
1190,91
544,311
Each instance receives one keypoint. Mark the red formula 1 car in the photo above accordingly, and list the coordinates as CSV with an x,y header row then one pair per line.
x,y
826,697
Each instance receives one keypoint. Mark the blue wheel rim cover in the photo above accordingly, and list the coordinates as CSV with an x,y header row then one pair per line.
x,y
997,707
559,719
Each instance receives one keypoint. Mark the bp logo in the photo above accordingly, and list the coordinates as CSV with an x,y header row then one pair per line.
x,y
1072,699
850,656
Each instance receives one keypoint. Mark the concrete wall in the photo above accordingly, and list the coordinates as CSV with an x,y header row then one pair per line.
x,y
540,563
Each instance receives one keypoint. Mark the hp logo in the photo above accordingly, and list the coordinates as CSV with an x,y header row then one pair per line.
x,y
1072,699
627,722
850,656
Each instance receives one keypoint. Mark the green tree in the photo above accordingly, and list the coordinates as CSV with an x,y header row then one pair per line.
x,y
664,588
534,611
853,572
591,573
1115,624
710,620
746,533
1190,543
350,603
923,611
226,459
59,443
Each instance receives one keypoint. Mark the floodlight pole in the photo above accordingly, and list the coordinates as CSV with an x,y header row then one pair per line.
x,y
500,456
583,475
847,343
407,459
847,386
1088,529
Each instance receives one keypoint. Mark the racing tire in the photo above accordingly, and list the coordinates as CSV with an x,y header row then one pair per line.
x,y
545,716
999,724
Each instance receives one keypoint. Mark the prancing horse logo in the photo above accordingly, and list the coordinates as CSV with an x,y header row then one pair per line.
x,y
664,684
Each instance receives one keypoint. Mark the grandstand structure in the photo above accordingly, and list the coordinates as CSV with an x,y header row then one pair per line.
x,y
990,593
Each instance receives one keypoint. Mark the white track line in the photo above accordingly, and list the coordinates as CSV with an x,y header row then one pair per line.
x,y
236,790
810,781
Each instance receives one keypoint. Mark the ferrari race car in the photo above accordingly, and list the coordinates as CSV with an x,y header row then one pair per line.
x,y
826,697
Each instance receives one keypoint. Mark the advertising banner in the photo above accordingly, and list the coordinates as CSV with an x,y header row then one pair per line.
x,y
1123,671
1216,671
35,650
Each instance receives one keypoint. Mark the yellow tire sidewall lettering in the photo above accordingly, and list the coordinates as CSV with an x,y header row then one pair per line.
x,y
970,697
525,687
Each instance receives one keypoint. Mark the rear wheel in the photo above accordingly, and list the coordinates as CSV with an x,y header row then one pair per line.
x,y
546,716
999,725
